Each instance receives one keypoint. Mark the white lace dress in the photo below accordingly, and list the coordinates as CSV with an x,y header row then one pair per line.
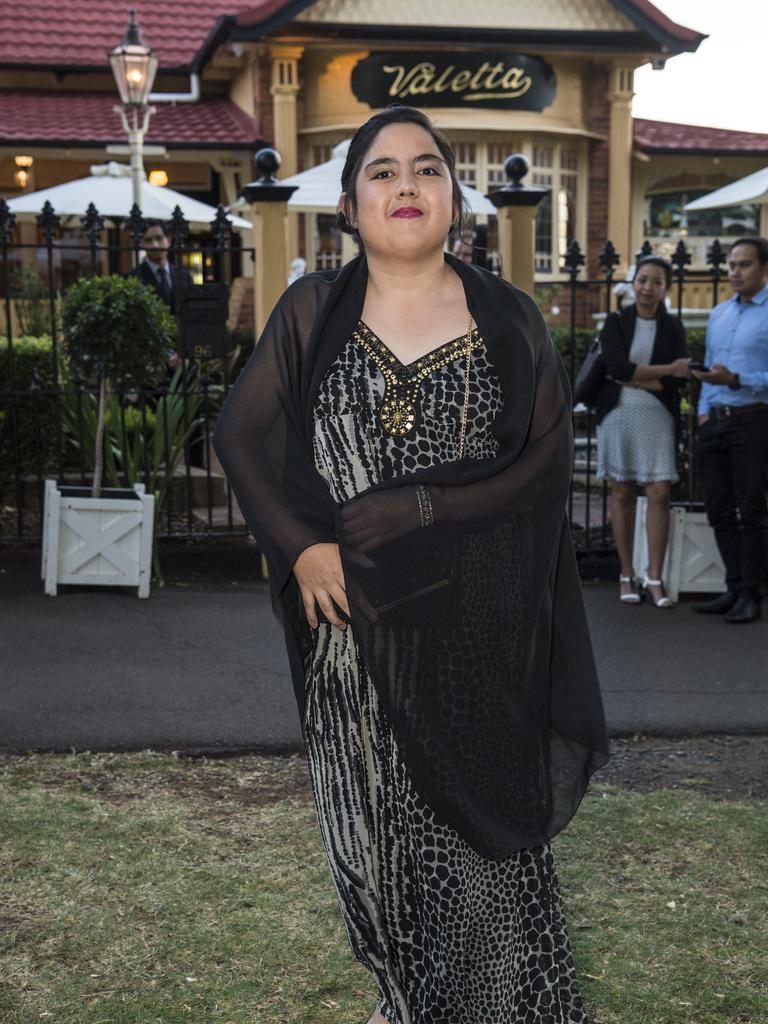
x,y
636,440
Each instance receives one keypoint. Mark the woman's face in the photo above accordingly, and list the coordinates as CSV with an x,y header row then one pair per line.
x,y
650,286
404,195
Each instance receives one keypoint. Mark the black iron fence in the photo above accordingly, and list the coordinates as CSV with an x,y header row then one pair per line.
x,y
160,434
587,302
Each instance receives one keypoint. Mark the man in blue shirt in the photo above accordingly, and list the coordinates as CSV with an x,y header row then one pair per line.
x,y
733,432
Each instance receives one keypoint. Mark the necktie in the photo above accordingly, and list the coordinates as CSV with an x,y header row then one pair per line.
x,y
165,285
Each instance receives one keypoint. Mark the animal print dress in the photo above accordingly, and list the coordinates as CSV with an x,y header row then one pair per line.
x,y
450,937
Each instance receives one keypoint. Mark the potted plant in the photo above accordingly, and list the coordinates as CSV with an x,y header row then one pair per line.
x,y
117,334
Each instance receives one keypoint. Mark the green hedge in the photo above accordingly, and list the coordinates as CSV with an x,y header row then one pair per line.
x,y
562,339
30,354
584,338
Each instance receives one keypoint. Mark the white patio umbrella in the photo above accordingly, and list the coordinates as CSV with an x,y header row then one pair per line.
x,y
109,189
752,189
319,188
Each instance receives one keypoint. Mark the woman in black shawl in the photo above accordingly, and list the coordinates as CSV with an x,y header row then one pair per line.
x,y
400,444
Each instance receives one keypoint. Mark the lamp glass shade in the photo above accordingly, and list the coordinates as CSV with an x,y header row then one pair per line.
x,y
134,67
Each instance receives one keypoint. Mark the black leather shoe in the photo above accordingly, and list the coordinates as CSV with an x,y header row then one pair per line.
x,y
718,605
746,609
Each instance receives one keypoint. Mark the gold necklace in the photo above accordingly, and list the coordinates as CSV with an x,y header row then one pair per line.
x,y
465,407
402,381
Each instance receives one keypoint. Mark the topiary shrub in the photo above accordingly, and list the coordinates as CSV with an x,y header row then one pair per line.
x,y
117,333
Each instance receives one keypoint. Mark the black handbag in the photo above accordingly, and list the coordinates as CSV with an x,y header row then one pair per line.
x,y
590,378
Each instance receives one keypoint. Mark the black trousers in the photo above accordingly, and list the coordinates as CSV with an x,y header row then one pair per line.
x,y
733,470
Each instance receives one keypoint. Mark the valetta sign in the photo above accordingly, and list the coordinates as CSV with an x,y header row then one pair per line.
x,y
506,81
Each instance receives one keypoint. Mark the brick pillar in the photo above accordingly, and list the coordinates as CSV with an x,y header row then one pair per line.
x,y
598,121
620,164
261,83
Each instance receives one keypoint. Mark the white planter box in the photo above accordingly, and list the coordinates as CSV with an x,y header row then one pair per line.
x,y
105,541
693,563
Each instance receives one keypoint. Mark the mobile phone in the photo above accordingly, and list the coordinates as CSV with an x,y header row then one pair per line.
x,y
698,367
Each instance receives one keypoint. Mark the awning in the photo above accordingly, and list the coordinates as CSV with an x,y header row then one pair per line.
x,y
752,189
110,189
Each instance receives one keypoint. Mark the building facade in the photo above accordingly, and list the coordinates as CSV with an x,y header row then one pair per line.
x,y
552,80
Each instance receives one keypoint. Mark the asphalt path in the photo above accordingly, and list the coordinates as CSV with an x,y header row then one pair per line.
x,y
201,665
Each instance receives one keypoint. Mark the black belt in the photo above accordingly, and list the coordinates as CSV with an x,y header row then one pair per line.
x,y
727,412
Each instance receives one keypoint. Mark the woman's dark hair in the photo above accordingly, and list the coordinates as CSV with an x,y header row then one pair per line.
x,y
761,244
362,140
656,261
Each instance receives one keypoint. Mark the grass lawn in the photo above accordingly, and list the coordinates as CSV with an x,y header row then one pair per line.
x,y
148,889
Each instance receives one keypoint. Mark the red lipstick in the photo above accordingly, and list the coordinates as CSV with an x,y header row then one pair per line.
x,y
407,211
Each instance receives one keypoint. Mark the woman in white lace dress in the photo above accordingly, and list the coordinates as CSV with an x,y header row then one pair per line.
x,y
644,349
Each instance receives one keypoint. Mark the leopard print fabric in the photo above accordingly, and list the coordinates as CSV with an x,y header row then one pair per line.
x,y
450,937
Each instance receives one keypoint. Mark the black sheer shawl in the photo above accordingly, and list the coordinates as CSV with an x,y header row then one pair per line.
x,y
473,630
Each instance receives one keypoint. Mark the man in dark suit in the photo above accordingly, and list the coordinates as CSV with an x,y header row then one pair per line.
x,y
154,270
168,283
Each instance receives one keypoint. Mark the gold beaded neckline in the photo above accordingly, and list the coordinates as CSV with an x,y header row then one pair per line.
x,y
402,381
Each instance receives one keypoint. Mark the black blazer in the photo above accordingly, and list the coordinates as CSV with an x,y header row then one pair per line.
x,y
615,343
180,277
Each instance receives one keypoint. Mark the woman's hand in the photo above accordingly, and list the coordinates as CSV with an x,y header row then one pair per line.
x,y
321,582
679,368
377,518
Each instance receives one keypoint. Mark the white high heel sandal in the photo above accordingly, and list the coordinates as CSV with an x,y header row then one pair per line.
x,y
664,601
633,597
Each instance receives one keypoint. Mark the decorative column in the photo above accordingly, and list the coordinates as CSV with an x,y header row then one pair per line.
x,y
284,90
620,162
516,212
269,206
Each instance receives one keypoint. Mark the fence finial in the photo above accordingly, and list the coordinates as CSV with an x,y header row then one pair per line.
x,y
136,225
574,259
48,222
716,257
178,228
608,259
221,228
92,223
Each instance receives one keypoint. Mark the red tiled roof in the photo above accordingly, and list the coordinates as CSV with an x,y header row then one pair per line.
x,y
80,119
78,33
666,137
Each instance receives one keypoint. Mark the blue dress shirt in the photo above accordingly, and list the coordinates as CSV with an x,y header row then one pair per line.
x,y
737,337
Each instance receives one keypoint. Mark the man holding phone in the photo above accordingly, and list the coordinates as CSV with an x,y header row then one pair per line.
x,y
732,446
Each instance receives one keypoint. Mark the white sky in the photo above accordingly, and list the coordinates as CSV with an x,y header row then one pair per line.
x,y
725,83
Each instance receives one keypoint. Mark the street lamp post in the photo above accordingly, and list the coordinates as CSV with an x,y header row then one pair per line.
x,y
134,66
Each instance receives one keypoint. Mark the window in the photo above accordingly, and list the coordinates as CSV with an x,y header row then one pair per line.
x,y
543,257
466,163
665,216
497,154
556,168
